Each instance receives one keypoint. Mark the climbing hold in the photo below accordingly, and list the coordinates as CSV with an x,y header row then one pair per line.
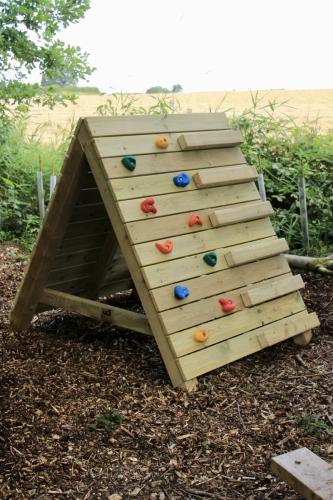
x,y
162,142
194,220
200,336
181,292
181,180
210,258
228,305
166,247
148,205
129,162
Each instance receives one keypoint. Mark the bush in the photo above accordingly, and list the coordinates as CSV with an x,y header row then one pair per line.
x,y
283,150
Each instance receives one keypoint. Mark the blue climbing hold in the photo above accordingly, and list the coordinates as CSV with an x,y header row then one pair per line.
x,y
181,180
181,292
129,162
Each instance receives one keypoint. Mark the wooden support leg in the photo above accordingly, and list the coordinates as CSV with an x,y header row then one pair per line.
x,y
190,385
304,338
50,238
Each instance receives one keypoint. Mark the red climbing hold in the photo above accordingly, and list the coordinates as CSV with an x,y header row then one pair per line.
x,y
166,247
148,205
228,305
194,220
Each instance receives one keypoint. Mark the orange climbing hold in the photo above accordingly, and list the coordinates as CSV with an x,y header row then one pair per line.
x,y
166,247
228,305
162,142
194,220
148,205
200,336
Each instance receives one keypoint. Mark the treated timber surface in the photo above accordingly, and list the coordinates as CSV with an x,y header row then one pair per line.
x,y
268,291
205,140
226,352
242,213
306,473
225,177
259,251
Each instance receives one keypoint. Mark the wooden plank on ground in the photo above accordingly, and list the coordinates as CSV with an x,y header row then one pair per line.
x,y
189,244
262,293
165,273
153,185
144,124
171,162
260,251
231,325
169,204
236,348
242,213
204,310
206,140
223,177
207,285
102,312
306,473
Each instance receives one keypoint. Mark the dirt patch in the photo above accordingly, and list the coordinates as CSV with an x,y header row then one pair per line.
x,y
62,375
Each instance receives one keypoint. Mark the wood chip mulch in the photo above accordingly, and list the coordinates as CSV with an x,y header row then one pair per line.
x,y
62,376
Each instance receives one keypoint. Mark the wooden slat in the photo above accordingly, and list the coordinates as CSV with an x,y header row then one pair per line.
x,y
82,243
89,196
226,216
171,225
219,282
133,125
171,162
92,309
206,309
224,177
145,144
85,212
264,292
71,259
260,251
206,140
189,244
306,473
87,227
236,348
174,203
115,287
231,325
69,273
153,185
164,273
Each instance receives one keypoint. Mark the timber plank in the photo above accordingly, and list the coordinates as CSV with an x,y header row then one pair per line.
x,y
174,203
236,348
173,162
85,212
261,293
142,124
241,213
167,272
205,140
189,244
152,185
69,273
260,251
87,227
82,243
71,259
224,177
306,473
171,225
231,325
219,282
207,309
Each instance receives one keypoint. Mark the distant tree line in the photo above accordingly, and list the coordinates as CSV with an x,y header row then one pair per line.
x,y
163,90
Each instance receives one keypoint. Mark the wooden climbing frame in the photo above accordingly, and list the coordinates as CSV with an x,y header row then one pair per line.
x,y
168,205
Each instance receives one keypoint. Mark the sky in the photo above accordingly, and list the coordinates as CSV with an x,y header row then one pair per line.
x,y
207,45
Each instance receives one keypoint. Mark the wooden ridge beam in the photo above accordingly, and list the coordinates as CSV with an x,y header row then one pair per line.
x,y
101,312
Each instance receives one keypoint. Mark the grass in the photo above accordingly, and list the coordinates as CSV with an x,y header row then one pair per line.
x,y
274,144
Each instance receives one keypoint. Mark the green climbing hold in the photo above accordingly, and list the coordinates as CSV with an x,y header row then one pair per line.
x,y
129,162
210,259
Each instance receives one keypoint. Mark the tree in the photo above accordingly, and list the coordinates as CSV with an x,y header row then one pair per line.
x,y
163,90
28,41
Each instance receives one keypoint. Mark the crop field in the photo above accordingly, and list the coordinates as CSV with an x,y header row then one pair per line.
x,y
301,105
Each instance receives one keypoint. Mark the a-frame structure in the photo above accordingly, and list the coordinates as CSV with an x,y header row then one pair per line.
x,y
166,204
